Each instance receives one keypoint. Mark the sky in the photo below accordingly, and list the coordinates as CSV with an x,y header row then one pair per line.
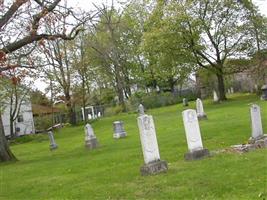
x,y
89,5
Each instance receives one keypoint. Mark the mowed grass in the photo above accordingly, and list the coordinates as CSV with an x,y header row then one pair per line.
x,y
112,170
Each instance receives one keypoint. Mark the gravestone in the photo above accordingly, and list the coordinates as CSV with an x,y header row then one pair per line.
x,y
256,123
90,138
257,139
153,164
118,129
193,136
53,144
215,96
232,90
200,110
185,102
264,92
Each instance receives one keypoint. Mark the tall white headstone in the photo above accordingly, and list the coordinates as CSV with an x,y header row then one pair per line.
x,y
90,138
215,96
200,110
148,139
149,143
256,122
193,136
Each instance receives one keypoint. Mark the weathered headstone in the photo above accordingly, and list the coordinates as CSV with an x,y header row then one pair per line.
x,y
53,144
232,90
90,138
118,129
215,96
193,136
200,110
185,102
256,124
153,164
264,92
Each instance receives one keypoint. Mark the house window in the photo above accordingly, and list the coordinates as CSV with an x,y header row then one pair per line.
x,y
20,118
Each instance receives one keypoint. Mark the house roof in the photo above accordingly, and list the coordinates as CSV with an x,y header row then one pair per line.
x,y
43,110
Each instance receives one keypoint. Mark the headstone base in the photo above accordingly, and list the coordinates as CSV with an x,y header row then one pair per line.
x,y
196,155
119,135
91,144
154,168
260,142
53,147
202,117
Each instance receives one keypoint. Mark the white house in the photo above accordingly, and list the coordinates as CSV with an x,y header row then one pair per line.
x,y
24,123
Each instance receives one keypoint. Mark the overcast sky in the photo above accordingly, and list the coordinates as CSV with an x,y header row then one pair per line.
x,y
89,5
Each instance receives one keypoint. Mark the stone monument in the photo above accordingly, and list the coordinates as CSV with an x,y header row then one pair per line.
x,y
118,129
200,110
90,138
185,102
193,136
53,144
232,90
153,164
215,96
257,136
257,139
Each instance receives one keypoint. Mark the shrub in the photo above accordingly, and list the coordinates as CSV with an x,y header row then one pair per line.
x,y
109,111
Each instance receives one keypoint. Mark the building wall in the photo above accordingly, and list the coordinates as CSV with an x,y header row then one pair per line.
x,y
26,126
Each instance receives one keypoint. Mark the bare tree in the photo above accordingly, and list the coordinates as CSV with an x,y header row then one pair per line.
x,y
22,25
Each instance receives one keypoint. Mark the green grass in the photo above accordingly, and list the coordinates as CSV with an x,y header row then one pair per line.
x,y
112,171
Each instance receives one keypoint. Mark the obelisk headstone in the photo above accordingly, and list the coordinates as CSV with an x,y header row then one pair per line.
x,y
90,138
200,110
153,164
193,136
53,144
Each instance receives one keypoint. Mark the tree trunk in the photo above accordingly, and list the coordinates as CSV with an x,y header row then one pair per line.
x,y
171,85
71,111
11,125
5,152
221,88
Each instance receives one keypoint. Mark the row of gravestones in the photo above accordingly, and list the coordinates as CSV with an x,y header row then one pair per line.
x,y
153,163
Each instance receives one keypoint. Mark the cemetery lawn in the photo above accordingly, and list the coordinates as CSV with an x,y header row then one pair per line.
x,y
112,170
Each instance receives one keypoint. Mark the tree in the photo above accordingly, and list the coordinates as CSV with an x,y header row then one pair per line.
x,y
168,61
16,91
21,25
213,32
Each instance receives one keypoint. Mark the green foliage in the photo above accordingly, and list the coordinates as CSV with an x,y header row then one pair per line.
x,y
110,111
42,122
29,138
37,97
156,100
